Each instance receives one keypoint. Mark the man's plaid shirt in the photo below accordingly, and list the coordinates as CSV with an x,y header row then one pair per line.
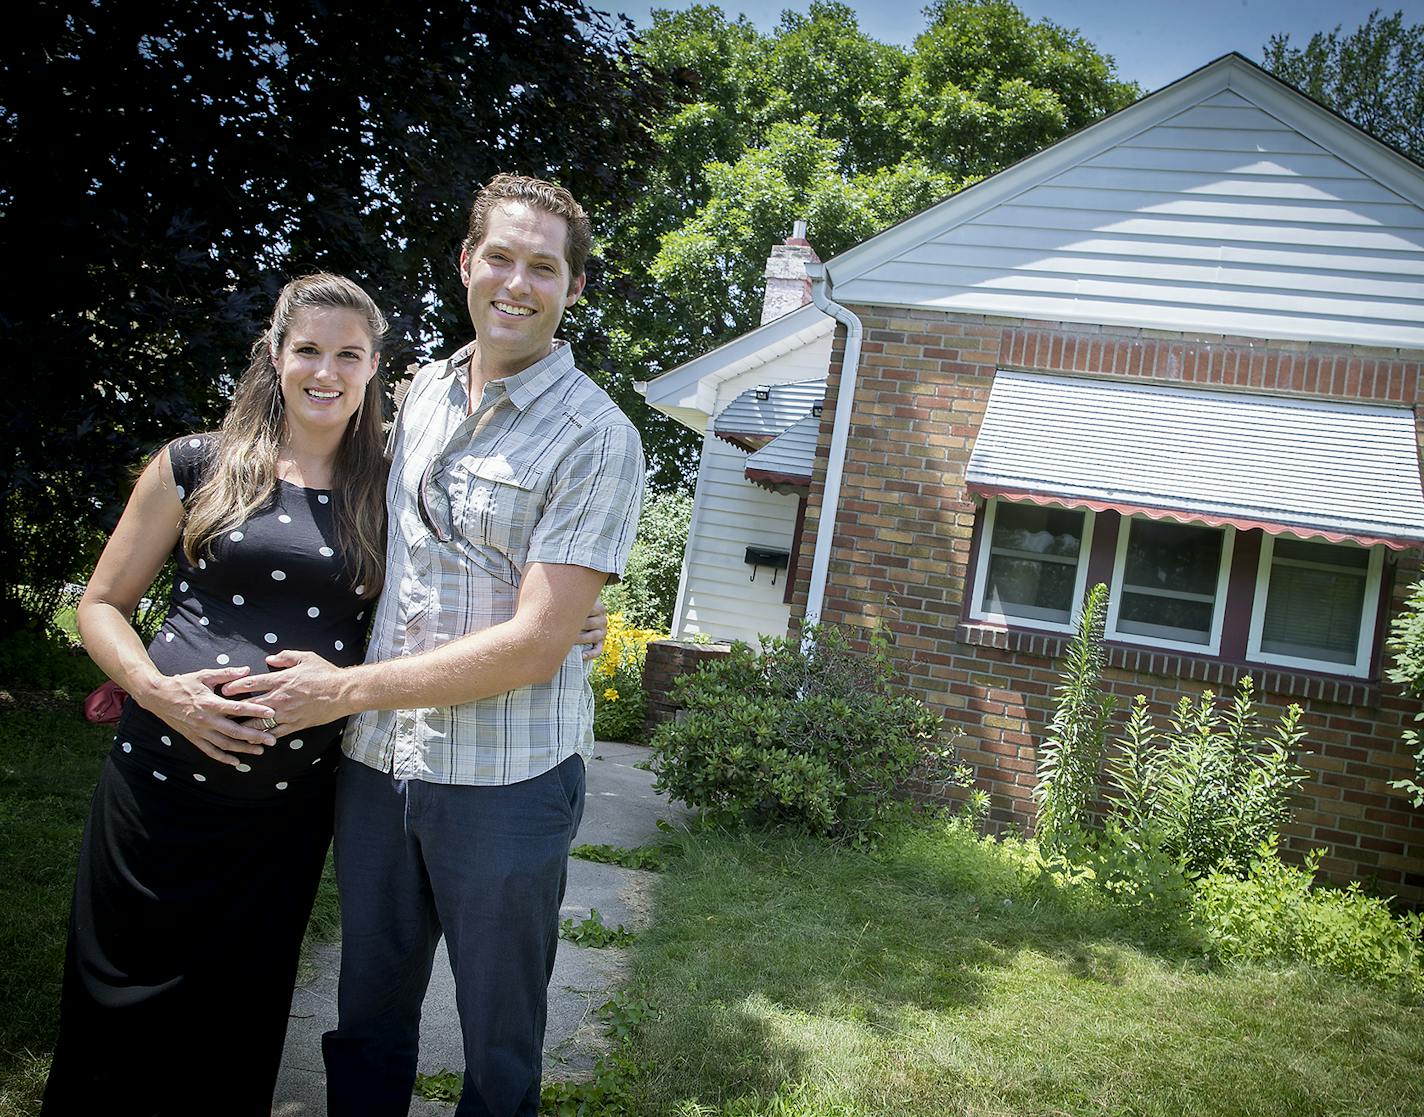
x,y
546,469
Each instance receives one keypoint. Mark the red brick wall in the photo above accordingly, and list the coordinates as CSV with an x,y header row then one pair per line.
x,y
666,660
903,546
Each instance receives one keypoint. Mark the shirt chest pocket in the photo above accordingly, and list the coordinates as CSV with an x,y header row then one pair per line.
x,y
495,502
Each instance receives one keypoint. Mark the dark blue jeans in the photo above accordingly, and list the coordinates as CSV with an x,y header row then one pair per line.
x,y
487,867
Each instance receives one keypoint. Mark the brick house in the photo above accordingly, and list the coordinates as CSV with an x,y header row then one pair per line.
x,y
1178,352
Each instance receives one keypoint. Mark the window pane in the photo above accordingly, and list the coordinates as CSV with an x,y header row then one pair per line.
x,y
1044,531
1181,558
1167,618
1313,612
1031,589
1169,581
1331,554
1033,562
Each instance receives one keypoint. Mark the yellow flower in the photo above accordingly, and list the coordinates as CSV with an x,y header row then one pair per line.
x,y
610,695
624,646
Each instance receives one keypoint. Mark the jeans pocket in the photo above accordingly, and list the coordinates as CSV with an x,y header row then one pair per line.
x,y
572,782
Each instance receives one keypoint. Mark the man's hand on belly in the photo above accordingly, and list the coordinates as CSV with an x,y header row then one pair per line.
x,y
303,690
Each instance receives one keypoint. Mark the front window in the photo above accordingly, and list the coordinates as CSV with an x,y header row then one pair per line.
x,y
1169,584
1032,563
1316,605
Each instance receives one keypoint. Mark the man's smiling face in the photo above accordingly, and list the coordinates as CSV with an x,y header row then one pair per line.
x,y
518,286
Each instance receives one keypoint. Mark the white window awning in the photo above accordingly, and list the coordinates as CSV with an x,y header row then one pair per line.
x,y
1341,471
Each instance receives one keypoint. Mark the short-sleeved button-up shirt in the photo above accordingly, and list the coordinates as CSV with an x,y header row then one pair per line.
x,y
545,469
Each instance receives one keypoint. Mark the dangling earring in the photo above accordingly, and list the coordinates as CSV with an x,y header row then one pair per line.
x,y
360,409
275,407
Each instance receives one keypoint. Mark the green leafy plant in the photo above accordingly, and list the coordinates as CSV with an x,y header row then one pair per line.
x,y
1072,752
1209,790
1276,913
1205,792
647,592
815,740
594,932
33,660
1406,640
651,858
444,1086
609,1091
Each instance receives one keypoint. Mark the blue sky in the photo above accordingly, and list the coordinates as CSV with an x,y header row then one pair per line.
x,y
1153,41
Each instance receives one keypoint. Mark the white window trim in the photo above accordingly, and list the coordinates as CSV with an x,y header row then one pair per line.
x,y
1369,617
977,609
1223,578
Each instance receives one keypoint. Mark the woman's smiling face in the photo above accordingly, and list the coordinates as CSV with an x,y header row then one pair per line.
x,y
323,365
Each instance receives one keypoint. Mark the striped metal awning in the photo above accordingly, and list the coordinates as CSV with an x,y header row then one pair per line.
x,y
1341,471
758,415
785,464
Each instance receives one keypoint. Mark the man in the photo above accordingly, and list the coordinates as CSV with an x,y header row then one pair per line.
x,y
514,494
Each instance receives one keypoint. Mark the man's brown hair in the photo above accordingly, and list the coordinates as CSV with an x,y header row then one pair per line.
x,y
540,195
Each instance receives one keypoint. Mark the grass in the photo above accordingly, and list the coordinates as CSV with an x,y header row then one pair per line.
x,y
49,761
932,977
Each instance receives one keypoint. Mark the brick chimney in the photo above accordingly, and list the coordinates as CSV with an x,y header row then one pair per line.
x,y
787,287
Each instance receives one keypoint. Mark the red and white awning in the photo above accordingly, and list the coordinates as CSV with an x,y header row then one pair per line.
x,y
1312,468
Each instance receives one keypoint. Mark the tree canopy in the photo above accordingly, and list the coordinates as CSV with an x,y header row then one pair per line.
x,y
165,167
817,120
1373,76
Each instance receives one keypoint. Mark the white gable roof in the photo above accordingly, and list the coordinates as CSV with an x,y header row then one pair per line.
x,y
689,393
1225,203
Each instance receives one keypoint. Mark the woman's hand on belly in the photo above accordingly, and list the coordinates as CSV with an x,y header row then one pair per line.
x,y
190,704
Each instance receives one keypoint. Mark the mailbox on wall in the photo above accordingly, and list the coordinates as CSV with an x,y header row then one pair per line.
x,y
762,556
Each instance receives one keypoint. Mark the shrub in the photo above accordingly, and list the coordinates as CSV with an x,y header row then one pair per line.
x,y
1276,914
1406,640
620,704
648,590
1208,791
46,542
39,661
815,740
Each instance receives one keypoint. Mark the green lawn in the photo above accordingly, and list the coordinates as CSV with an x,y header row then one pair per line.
x,y
932,977
49,760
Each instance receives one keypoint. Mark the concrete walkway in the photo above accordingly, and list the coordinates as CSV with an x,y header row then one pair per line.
x,y
621,809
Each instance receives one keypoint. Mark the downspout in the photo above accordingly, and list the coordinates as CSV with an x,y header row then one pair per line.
x,y
840,434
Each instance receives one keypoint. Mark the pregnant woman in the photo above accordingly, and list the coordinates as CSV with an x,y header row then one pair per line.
x,y
207,835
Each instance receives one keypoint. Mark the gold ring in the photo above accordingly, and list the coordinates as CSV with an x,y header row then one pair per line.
x,y
269,723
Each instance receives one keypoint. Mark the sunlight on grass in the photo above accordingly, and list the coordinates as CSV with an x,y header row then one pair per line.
x,y
934,976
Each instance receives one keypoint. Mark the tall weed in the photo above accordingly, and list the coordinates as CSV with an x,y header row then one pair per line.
x,y
1072,753
1406,640
1208,790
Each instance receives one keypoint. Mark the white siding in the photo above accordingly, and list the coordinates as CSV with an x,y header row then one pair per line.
x,y
1220,218
717,595
730,514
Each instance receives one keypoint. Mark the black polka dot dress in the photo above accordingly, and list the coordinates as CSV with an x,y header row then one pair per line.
x,y
196,879
273,583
